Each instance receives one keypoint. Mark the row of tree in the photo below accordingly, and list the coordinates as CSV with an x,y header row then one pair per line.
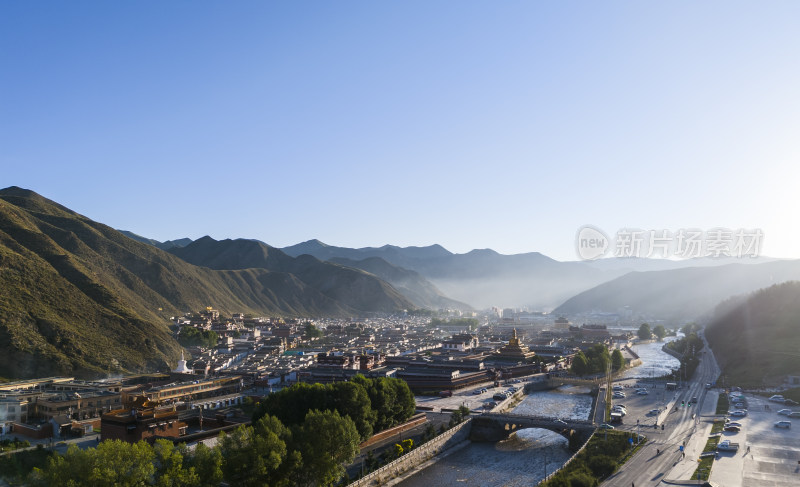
x,y
267,453
190,336
595,360
658,331
372,404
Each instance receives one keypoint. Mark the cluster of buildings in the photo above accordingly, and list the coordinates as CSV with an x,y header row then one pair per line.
x,y
254,356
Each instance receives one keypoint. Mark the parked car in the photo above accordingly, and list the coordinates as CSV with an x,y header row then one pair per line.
x,y
606,426
733,428
654,412
733,423
642,392
777,398
619,395
740,413
794,414
617,387
783,424
785,412
478,391
790,402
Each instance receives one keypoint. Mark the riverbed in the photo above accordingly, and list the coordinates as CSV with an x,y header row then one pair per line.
x,y
655,362
521,460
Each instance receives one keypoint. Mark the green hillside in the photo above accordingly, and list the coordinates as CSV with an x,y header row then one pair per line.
x,y
79,297
757,340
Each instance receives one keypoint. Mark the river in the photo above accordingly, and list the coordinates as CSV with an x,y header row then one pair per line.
x,y
521,460
655,362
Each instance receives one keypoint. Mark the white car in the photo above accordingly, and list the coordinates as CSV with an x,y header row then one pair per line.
x,y
734,423
783,424
642,392
655,412
785,412
777,398
617,388
618,395
740,413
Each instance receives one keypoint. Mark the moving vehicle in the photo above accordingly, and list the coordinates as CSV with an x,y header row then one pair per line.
x,y
693,400
783,424
726,445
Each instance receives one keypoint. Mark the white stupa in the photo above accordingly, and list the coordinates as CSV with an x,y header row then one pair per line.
x,y
182,368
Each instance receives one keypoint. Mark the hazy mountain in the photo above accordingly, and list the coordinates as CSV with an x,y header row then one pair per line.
x,y
411,284
79,297
482,277
350,287
630,264
181,242
408,257
680,294
756,340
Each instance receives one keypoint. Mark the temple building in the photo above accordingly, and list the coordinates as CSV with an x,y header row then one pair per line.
x,y
514,351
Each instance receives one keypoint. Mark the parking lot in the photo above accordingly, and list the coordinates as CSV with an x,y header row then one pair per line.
x,y
640,408
767,455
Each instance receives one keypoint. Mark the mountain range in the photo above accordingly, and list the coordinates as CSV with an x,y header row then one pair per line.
x,y
82,298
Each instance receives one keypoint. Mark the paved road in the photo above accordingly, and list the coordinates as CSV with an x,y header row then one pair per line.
x,y
684,426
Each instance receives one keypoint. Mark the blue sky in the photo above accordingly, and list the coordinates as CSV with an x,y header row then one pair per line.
x,y
469,124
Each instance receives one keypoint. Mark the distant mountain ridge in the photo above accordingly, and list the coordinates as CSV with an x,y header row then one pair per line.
x,y
481,277
410,283
350,287
81,298
680,294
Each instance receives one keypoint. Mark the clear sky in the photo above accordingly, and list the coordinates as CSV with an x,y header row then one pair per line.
x,y
470,124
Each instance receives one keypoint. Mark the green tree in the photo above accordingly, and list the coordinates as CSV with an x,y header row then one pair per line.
x,y
253,455
326,441
617,360
173,468
660,331
644,332
207,462
311,331
580,366
112,463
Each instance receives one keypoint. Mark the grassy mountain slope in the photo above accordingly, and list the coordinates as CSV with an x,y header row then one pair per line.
x,y
680,294
79,297
350,287
758,340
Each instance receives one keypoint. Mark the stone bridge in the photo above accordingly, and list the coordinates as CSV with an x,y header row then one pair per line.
x,y
494,427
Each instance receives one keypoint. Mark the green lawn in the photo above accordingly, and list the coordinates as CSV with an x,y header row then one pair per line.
x,y
723,404
705,463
